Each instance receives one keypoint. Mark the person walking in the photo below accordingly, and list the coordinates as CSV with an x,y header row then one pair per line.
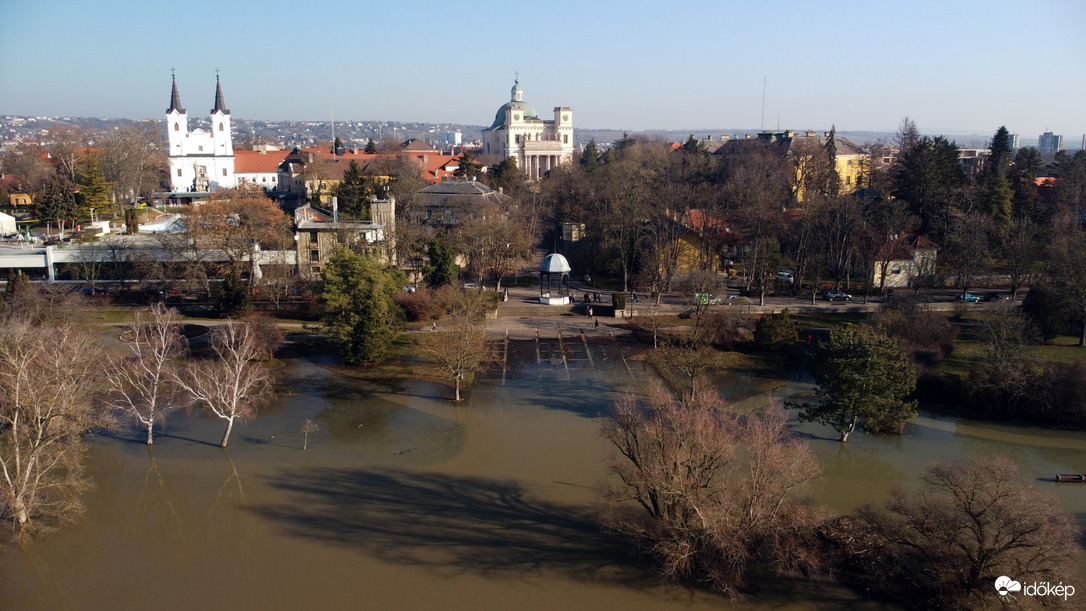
x,y
434,327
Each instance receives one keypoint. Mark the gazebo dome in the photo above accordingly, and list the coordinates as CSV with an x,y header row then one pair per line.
x,y
555,263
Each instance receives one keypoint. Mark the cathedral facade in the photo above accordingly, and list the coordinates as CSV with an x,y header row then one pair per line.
x,y
200,160
536,144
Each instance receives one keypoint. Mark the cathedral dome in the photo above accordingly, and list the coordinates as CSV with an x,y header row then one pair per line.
x,y
517,103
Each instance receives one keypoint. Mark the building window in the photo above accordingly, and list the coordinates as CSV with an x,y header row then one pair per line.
x,y
312,237
224,171
220,127
895,270
314,254
176,127
565,139
848,179
201,149
316,269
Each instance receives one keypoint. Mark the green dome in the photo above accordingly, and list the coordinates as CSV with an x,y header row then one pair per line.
x,y
526,110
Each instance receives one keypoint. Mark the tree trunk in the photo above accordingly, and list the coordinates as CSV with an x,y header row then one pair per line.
x,y
851,427
150,432
457,389
226,435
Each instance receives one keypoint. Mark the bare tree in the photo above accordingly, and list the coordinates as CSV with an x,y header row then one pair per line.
x,y
48,381
132,161
142,383
715,489
971,522
460,348
307,428
232,384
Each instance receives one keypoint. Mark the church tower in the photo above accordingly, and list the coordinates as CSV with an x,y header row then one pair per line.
x,y
177,122
220,123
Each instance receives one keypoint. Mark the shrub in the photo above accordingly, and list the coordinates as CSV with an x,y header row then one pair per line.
x,y
618,300
776,331
420,306
728,328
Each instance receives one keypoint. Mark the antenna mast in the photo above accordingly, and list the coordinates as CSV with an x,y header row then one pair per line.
x,y
764,79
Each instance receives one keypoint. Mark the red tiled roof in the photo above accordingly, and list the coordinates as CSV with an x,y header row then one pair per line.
x,y
258,162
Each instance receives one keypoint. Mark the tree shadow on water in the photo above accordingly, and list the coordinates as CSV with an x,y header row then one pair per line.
x,y
448,523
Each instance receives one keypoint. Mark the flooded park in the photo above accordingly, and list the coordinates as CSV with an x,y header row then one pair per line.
x,y
404,499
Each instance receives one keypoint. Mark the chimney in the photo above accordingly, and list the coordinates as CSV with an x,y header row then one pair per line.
x,y
811,134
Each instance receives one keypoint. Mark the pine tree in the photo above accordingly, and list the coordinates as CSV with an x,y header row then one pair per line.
x,y
371,147
590,157
93,188
353,193
863,379
442,268
357,299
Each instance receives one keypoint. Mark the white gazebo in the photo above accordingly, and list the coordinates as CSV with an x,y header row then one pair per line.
x,y
554,268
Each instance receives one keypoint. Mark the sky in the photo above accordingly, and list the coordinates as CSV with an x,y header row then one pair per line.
x,y
965,66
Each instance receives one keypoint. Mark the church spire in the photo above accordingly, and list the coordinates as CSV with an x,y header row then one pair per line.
x,y
175,98
220,106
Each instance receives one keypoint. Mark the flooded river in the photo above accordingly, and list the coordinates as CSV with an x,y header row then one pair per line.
x,y
404,500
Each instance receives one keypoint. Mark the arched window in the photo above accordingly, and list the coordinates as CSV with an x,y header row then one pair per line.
x,y
176,127
220,127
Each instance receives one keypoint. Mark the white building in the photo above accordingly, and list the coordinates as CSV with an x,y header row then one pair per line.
x,y
537,145
200,160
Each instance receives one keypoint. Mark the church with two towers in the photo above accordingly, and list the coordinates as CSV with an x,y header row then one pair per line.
x,y
200,160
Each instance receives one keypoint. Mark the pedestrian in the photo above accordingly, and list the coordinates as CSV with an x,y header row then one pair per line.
x,y
434,327
597,324
590,311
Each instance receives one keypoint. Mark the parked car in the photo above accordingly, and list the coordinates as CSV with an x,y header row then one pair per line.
x,y
967,298
786,276
836,295
408,289
995,297
471,285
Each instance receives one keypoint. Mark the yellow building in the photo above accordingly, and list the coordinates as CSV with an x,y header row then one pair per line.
x,y
807,153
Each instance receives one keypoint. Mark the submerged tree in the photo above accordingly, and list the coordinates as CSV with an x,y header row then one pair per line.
x,y
708,492
233,383
460,348
49,377
971,523
863,379
143,382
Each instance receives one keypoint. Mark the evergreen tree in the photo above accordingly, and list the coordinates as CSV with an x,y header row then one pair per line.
x,y
93,188
506,176
833,180
1026,201
353,193
691,146
442,268
590,157
999,159
467,166
371,147
928,177
56,204
863,379
358,307
233,299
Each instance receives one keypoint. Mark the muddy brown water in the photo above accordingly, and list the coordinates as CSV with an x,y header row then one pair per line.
x,y
406,501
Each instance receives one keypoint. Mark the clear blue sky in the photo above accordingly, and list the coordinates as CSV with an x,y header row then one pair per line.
x,y
952,66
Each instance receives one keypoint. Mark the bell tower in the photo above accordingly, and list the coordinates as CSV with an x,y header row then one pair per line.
x,y
177,121
220,123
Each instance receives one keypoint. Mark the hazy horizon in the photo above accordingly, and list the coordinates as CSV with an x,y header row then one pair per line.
x,y
954,68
